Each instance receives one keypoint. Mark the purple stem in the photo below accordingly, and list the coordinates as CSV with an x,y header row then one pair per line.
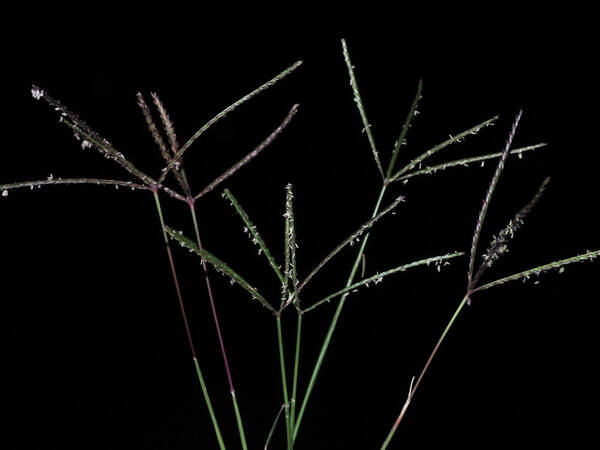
x,y
175,280
191,203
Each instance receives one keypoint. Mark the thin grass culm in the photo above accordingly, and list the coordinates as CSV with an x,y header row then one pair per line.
x,y
287,295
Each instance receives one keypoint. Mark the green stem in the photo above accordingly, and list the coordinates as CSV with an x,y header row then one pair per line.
x,y
209,404
334,321
187,328
288,430
296,364
416,385
238,418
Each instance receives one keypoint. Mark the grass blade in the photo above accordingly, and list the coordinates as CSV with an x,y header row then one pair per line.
x,y
219,266
453,139
466,161
361,108
538,270
380,276
223,113
499,244
488,196
250,228
272,430
401,139
349,240
250,155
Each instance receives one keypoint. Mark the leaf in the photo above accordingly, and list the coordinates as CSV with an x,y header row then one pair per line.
x,y
272,430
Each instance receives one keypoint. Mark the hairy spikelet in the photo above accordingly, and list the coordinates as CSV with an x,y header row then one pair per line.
x,y
499,244
90,138
291,242
253,234
433,150
223,113
377,278
233,169
465,162
354,237
361,108
152,127
51,181
170,131
412,113
488,197
167,123
536,271
219,265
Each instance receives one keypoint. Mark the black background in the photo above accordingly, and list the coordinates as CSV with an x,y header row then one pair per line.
x,y
96,355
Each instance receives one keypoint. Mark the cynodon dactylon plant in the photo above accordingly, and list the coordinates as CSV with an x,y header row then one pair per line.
x,y
293,300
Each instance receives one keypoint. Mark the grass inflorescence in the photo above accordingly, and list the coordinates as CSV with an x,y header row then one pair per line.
x,y
294,300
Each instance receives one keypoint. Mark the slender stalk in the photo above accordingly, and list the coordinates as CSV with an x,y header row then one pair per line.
x,y
416,385
288,430
334,321
296,365
218,327
187,327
